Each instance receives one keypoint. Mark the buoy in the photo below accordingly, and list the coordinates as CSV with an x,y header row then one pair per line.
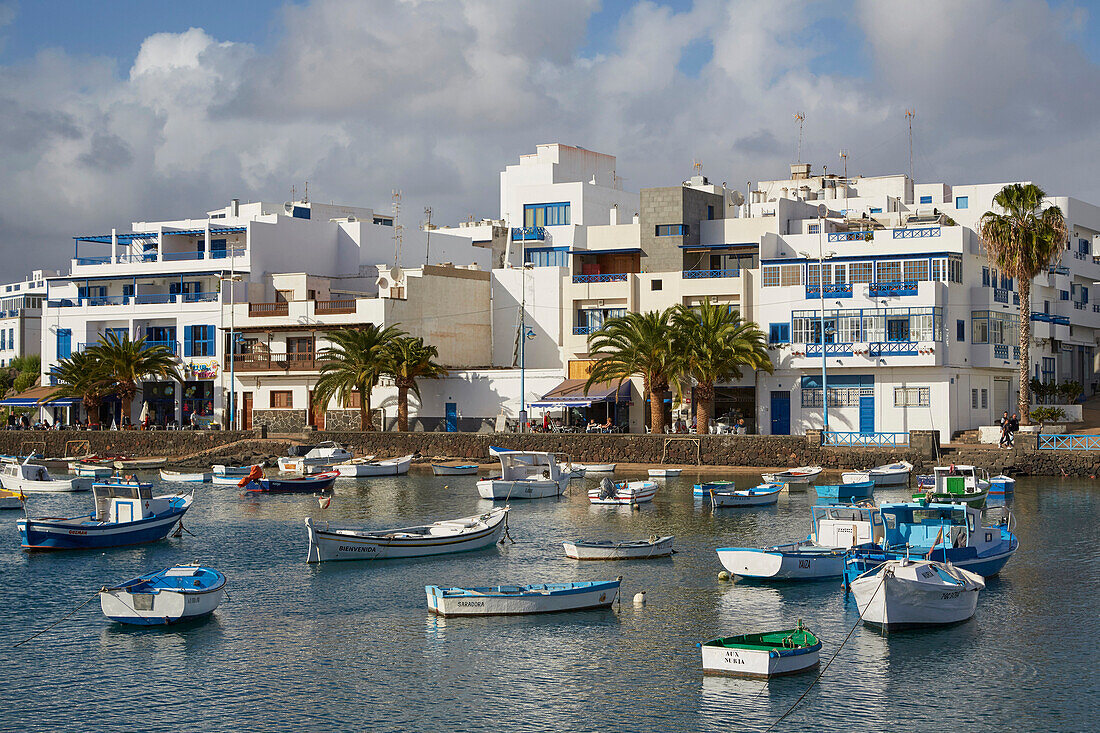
x,y
636,507
324,501
723,575
639,599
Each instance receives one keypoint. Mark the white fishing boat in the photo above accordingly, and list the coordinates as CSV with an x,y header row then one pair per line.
x,y
185,476
11,499
364,468
507,600
222,480
330,541
907,593
139,464
180,593
609,550
90,470
31,478
575,471
795,479
322,454
890,474
525,475
219,469
761,495
622,492
665,472
596,467
771,654
455,468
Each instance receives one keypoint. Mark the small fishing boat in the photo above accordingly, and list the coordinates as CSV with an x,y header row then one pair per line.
x,y
796,479
525,475
323,454
328,541
770,654
168,596
11,499
291,485
622,492
31,478
185,476
760,495
608,550
957,485
507,600
665,472
226,480
890,474
126,513
575,471
1002,484
90,470
596,467
219,469
139,464
846,492
704,489
454,468
367,467
905,593
834,528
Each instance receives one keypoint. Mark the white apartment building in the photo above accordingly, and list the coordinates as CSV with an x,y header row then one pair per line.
x,y
173,283
21,316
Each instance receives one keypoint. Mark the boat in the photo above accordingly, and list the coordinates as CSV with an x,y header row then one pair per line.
x,y
628,550
769,654
1001,484
798,478
704,489
905,593
219,469
31,478
596,467
126,513
525,475
665,472
622,492
291,485
363,468
853,491
329,541
760,495
455,468
834,529
168,596
957,484
11,499
952,533
507,600
185,476
139,464
575,471
890,474
323,454
226,480
90,470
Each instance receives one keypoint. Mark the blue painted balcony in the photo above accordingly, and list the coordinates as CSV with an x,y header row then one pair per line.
x,y
892,289
1042,317
916,233
1000,351
851,236
132,258
528,234
707,274
614,277
223,254
832,290
1000,296
893,348
200,297
838,349
182,256
584,330
172,346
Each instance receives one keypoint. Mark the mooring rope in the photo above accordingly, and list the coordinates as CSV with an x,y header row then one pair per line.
x,y
55,623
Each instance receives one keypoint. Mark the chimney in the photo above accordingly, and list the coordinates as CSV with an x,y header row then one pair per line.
x,y
235,207
614,215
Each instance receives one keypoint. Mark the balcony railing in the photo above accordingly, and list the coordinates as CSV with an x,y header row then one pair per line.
x,y
154,298
1096,307
200,297
1000,296
182,256
1042,317
268,309
1060,320
329,307
1069,442
892,289
131,258
106,300
224,254
1000,351
860,439
93,260
584,330
1079,306
851,236
839,349
172,346
1016,353
893,348
613,277
1015,298
832,290
274,361
527,234
706,274
1080,256
916,233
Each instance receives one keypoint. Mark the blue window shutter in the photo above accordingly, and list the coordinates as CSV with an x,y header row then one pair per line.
x,y
187,340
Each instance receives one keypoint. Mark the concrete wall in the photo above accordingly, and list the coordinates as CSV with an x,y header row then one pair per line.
x,y
544,315
672,205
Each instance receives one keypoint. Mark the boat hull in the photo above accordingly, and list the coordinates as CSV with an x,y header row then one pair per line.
x,y
160,608
590,596
903,604
783,565
581,550
846,491
597,467
635,492
986,565
665,472
190,478
90,471
744,498
49,535
325,544
56,486
219,469
499,489
396,467
759,664
999,485
470,470
305,485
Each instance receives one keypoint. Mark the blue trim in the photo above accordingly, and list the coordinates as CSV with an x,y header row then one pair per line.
x,y
813,381
862,258
618,251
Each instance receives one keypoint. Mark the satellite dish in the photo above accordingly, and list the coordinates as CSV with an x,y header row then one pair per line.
x,y
822,210
288,207
396,274
351,218
737,198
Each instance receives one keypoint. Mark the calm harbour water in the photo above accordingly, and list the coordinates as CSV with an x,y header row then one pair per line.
x,y
343,646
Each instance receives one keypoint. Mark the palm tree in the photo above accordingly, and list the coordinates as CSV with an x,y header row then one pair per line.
x,y
715,343
353,364
640,344
126,362
409,359
81,377
1024,241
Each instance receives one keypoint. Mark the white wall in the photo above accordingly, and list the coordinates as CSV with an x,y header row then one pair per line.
x,y
543,315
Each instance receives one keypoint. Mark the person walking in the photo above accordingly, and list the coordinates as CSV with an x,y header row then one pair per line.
x,y
1005,437
1013,428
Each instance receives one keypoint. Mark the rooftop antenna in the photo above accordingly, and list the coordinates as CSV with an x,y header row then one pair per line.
x,y
428,237
844,157
397,228
293,193
909,115
697,167
801,118
305,194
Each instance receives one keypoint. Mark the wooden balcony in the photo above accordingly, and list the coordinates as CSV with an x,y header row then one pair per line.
x,y
268,309
275,362
330,307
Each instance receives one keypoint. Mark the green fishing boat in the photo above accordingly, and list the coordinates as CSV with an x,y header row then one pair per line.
x,y
770,654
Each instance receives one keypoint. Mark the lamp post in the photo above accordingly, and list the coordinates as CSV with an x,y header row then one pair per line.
x,y
822,210
233,278
523,336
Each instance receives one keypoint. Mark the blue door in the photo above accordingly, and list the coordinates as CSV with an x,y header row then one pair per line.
x,y
867,409
781,413
452,417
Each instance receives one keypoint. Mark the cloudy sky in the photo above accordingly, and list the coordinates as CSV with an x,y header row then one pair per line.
x,y
134,110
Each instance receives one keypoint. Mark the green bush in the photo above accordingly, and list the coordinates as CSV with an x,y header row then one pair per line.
x,y
1048,414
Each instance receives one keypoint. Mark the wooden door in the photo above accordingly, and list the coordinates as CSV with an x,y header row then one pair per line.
x,y
246,411
316,417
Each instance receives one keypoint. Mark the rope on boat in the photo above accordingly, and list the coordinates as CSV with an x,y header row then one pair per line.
x,y
58,621
507,534
882,579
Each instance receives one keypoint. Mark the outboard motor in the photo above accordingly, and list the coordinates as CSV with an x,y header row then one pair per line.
x,y
608,489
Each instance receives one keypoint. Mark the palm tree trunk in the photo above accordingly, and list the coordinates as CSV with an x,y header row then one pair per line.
x,y
402,408
364,413
657,411
704,396
126,397
364,405
1025,350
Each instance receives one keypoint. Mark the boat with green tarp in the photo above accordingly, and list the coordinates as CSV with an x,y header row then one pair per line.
x,y
768,654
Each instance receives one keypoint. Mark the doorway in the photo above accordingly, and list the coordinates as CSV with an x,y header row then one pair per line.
x,y
246,411
781,413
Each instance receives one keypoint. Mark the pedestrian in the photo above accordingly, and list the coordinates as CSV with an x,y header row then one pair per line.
x,y
742,429
1013,427
1003,422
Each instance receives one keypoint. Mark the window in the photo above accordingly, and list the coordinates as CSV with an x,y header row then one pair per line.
x,y
198,341
672,230
955,270
912,396
993,277
1048,369
1084,294
839,273
732,261
545,215
710,212
926,199
994,327
985,398
790,275
769,277
861,272
915,269
383,221
3,340
189,287
779,333
127,291
656,285
282,399
876,209
888,272
547,256
985,277
593,318
962,202
974,399
1083,246
1063,294
64,343
217,249
815,228
960,330
11,338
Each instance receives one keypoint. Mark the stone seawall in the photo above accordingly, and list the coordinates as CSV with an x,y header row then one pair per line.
x,y
54,443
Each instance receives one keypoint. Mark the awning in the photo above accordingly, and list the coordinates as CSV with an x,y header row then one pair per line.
x,y
570,393
34,395
718,246
616,251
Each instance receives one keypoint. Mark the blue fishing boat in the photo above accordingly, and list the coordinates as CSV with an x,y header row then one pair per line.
x,y
1002,484
126,513
846,492
296,485
704,489
171,595
942,532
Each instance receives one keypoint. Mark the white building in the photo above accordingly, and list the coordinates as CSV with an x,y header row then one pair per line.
x,y
21,316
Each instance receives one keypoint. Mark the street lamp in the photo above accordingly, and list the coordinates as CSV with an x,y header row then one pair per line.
x,y
232,349
822,255
524,334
